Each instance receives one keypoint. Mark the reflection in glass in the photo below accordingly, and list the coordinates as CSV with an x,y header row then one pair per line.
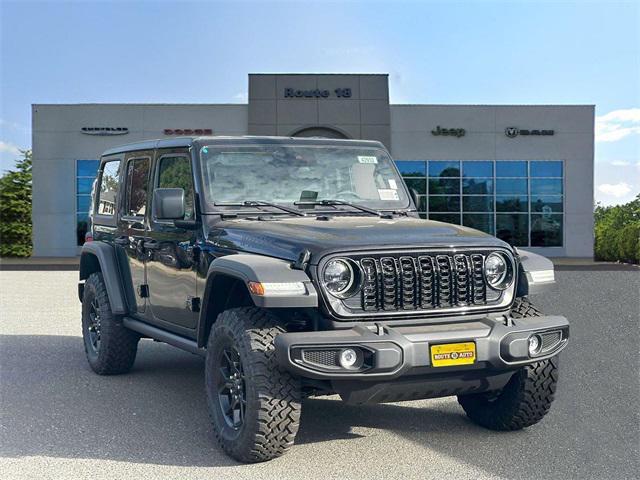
x,y
418,184
546,203
83,202
87,168
444,186
446,217
511,169
83,185
108,188
477,169
546,169
412,169
137,182
175,172
444,169
444,203
511,185
546,230
477,203
82,226
546,186
477,186
513,228
511,203
479,221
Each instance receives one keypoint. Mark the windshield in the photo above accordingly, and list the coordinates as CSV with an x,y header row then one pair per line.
x,y
287,174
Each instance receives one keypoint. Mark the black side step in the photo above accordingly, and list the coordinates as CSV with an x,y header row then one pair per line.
x,y
163,336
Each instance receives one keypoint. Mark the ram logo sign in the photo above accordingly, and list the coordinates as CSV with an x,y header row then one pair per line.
x,y
513,132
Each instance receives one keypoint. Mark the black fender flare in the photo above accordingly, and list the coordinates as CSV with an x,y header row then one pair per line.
x,y
245,268
105,257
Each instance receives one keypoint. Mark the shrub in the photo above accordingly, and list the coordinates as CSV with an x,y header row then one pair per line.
x,y
617,232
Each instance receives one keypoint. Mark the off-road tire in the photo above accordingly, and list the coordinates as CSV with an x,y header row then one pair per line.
x,y
118,345
525,399
273,396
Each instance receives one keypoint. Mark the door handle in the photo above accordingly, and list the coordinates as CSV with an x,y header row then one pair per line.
x,y
151,245
124,241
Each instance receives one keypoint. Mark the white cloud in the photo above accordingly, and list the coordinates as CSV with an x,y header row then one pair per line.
x,y
620,163
617,190
242,97
9,148
617,125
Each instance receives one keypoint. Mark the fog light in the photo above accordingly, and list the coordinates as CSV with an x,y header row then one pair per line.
x,y
534,344
348,358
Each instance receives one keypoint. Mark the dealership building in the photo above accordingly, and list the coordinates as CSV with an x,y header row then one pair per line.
x,y
521,172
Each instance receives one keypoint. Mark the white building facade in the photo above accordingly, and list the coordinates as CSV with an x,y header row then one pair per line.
x,y
522,173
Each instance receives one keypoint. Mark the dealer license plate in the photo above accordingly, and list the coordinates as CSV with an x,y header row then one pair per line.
x,y
451,354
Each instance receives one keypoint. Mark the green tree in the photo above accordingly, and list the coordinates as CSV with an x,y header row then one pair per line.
x,y
15,209
617,232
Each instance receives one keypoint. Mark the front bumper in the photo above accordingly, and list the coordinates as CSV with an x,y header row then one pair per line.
x,y
392,352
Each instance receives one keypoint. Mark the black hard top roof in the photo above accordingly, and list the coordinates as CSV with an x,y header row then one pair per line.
x,y
237,140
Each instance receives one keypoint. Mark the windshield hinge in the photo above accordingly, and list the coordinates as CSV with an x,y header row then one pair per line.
x,y
303,260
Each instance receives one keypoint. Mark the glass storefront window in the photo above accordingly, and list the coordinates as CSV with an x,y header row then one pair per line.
x,y
478,203
546,186
511,185
479,221
512,203
417,184
410,168
511,169
513,228
444,186
477,186
477,169
546,169
546,230
444,203
86,171
444,169
519,201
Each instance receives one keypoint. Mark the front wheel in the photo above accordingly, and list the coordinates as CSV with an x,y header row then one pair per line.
x,y
254,406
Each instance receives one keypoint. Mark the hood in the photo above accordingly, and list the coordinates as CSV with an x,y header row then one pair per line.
x,y
286,237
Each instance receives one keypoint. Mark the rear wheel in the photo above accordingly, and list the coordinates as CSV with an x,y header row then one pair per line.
x,y
254,406
526,398
110,347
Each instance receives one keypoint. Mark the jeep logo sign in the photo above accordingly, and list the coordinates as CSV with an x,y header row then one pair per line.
x,y
452,132
513,132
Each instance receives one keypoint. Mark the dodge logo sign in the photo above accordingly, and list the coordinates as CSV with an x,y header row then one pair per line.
x,y
513,132
188,131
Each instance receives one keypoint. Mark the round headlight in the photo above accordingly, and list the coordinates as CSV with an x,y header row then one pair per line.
x,y
338,277
497,271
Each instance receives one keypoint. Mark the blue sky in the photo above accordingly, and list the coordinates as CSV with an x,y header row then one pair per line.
x,y
435,52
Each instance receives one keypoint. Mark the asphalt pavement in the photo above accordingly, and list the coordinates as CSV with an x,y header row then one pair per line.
x,y
59,420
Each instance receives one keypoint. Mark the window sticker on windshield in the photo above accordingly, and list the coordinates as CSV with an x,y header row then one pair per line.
x,y
367,159
388,194
393,184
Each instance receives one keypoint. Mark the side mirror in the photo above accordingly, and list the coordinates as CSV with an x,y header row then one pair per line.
x,y
415,197
168,203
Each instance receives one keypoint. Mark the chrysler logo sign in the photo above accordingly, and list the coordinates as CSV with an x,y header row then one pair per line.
x,y
513,132
103,131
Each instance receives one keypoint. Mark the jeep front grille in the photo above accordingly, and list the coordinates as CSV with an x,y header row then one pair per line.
x,y
422,282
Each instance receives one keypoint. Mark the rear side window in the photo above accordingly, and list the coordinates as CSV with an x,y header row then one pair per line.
x,y
108,194
137,185
175,172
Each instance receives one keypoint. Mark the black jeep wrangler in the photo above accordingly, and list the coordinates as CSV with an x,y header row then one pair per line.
x,y
300,267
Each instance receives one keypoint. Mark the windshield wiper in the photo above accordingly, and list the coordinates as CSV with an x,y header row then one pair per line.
x,y
333,203
260,203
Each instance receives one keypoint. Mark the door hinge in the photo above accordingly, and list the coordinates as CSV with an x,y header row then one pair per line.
x,y
193,304
143,291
